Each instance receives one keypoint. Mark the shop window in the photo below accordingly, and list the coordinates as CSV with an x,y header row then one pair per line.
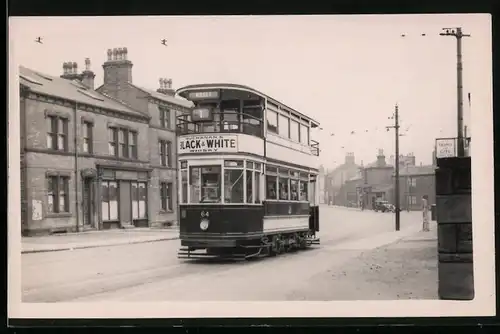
x,y
109,200
139,200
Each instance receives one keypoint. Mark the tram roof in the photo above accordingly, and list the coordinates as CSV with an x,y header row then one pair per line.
x,y
181,90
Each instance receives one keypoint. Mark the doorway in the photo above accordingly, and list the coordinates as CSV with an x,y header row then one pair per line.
x,y
88,203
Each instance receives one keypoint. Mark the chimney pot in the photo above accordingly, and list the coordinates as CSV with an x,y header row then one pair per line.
x,y
125,52
87,64
110,54
115,53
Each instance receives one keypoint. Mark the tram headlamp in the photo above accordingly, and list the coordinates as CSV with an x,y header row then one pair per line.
x,y
204,224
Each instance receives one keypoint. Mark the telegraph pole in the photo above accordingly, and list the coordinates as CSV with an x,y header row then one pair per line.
x,y
458,34
396,167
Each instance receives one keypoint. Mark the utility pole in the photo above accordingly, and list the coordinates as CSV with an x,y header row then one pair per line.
x,y
458,34
396,167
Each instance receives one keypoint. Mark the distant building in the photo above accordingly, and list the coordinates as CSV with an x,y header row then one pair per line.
x,y
404,160
322,185
337,177
373,181
415,182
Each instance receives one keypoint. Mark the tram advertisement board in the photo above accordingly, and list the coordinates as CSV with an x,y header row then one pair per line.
x,y
207,144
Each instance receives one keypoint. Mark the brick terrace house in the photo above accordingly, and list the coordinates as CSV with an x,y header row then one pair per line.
x,y
84,156
162,107
415,182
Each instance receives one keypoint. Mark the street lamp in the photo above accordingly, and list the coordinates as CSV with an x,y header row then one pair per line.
x,y
458,34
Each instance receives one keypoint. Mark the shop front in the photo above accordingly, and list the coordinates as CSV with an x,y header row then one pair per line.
x,y
123,197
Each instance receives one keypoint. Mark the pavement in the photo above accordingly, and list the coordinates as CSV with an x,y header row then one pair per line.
x,y
92,239
360,257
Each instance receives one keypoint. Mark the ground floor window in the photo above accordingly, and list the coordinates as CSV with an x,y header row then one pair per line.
x,y
58,194
412,200
166,196
109,200
139,200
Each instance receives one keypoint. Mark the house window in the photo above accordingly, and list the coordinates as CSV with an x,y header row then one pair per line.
x,y
165,148
57,133
139,200
166,196
87,137
122,143
412,200
58,194
109,200
412,182
164,117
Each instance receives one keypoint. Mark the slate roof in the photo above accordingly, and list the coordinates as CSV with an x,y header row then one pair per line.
x,y
417,170
71,90
163,97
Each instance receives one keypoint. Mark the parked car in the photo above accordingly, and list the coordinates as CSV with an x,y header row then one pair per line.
x,y
383,206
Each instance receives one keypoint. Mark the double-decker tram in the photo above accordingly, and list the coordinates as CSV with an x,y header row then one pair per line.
x,y
248,171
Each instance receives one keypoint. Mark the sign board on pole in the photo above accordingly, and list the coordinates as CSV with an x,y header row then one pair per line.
x,y
445,148
208,144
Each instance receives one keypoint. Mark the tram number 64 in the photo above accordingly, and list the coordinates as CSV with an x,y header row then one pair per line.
x,y
204,214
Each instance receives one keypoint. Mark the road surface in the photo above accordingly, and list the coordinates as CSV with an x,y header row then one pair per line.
x,y
152,272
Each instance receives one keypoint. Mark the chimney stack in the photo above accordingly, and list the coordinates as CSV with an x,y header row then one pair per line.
x,y
87,76
117,71
381,158
166,87
349,158
70,71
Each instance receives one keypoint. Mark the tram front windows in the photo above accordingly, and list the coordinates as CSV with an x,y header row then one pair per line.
x,y
233,186
205,184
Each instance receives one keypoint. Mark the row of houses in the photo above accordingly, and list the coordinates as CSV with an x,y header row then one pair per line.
x,y
352,185
96,158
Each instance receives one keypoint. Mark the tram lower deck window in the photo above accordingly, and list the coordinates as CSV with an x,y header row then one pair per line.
x,y
205,184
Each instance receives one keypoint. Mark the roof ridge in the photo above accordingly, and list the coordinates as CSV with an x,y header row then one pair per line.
x,y
122,102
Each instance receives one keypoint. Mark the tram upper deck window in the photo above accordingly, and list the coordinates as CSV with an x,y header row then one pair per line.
x,y
251,117
205,184
230,115
294,130
272,121
284,126
304,134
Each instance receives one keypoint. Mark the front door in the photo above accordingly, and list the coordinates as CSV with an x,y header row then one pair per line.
x,y
88,203
125,200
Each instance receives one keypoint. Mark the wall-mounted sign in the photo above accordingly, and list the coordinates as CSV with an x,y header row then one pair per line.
x,y
445,148
207,144
203,95
201,114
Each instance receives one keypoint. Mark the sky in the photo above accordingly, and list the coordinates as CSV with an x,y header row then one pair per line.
x,y
347,72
